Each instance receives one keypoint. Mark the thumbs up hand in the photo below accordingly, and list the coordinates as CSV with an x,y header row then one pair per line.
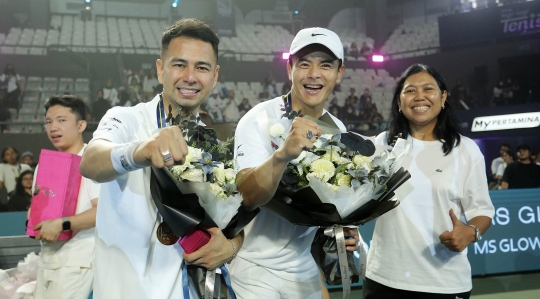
x,y
460,236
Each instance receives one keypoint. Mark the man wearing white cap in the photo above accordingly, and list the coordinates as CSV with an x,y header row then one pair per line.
x,y
275,260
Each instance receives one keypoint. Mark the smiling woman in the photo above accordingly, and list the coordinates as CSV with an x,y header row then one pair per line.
x,y
446,208
419,108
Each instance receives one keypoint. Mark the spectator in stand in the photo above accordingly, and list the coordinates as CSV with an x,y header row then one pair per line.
x,y
350,118
215,106
10,171
523,173
499,160
365,50
368,107
231,113
244,107
221,88
365,97
352,98
10,83
28,159
129,76
150,84
134,92
100,106
124,98
21,197
375,119
334,105
353,50
508,158
497,94
269,79
110,93
508,93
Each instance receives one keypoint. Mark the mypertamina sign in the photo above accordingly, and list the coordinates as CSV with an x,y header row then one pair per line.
x,y
506,122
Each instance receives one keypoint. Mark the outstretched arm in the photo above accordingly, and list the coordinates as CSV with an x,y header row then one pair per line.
x,y
144,153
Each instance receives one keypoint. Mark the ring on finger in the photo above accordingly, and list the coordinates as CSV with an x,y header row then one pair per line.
x,y
167,156
309,134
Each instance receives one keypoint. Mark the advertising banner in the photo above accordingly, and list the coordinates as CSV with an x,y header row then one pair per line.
x,y
508,21
224,21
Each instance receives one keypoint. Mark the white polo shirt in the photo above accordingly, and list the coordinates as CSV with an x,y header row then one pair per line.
x,y
130,263
282,248
406,252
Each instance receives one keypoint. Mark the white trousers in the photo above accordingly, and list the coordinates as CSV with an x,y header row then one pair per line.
x,y
64,283
253,281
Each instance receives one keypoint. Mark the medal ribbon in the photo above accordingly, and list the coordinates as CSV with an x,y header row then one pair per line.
x,y
211,282
288,103
160,114
336,231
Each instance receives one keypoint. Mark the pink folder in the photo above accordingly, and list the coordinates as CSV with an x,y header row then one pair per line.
x,y
59,180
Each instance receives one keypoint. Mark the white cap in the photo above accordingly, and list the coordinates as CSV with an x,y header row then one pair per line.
x,y
317,35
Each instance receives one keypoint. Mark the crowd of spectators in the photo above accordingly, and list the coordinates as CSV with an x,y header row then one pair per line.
x,y
358,113
506,92
515,171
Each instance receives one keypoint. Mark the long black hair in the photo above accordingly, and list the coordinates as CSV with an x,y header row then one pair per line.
x,y
19,188
447,127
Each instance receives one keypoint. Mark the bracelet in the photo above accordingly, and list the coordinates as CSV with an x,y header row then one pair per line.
x,y
477,235
233,249
122,157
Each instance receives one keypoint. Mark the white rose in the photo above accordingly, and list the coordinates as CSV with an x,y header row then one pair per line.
x,y
193,175
194,154
230,175
321,169
217,191
219,176
177,170
362,162
277,130
322,176
343,179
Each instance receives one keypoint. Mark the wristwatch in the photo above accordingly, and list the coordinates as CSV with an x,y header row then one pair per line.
x,y
66,224
477,235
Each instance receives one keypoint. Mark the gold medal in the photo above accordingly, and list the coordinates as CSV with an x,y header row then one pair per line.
x,y
165,235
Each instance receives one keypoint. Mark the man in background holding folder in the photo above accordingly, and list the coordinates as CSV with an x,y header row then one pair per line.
x,y
65,267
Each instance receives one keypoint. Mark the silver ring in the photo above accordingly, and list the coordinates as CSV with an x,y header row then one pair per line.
x,y
167,156
309,134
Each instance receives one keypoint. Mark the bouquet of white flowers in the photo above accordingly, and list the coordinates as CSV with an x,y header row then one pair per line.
x,y
338,182
198,194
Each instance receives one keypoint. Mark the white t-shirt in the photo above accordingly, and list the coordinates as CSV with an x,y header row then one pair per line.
x,y
111,95
12,82
79,250
495,165
129,262
215,107
406,252
10,173
270,241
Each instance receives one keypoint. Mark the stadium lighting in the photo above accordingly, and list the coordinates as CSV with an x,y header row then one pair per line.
x,y
175,3
87,1
377,58
286,56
